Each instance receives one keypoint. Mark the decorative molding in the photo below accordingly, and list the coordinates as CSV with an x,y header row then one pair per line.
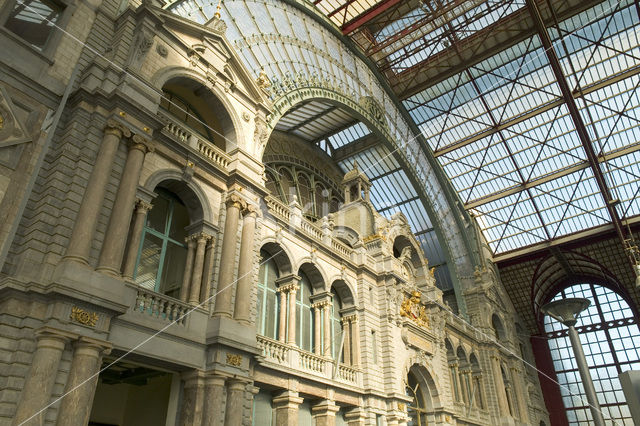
x,y
83,317
234,359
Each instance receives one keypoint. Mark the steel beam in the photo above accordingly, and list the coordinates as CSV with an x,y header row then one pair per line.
x,y
370,14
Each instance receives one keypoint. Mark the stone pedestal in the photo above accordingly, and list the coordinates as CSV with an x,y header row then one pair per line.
x,y
235,402
85,223
118,228
324,413
75,407
286,405
213,400
38,385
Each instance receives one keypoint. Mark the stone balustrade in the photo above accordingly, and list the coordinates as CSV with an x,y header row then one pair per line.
x,y
347,374
159,306
273,350
278,209
312,362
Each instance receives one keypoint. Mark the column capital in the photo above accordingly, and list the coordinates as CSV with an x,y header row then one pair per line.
x,y
321,304
199,237
141,143
349,318
287,399
325,407
237,383
142,205
92,347
47,332
234,200
285,283
250,210
114,127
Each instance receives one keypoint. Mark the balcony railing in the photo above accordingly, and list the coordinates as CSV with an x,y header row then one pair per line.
x,y
159,306
307,363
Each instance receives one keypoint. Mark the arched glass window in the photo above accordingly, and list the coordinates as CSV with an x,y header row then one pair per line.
x,y
336,326
162,253
304,326
185,112
477,393
609,334
268,301
417,409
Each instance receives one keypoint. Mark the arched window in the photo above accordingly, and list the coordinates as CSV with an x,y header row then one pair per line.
x,y
498,328
162,253
477,392
268,301
453,370
304,318
336,326
506,380
609,334
463,374
417,408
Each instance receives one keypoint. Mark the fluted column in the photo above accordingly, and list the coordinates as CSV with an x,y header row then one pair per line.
x,y
235,402
116,234
198,263
245,267
225,279
38,385
292,315
188,267
317,307
85,224
142,207
75,407
327,329
282,324
355,341
205,285
193,397
347,340
213,400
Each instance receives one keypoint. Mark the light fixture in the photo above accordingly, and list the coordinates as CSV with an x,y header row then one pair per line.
x,y
567,311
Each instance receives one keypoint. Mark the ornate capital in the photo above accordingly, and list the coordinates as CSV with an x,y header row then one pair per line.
x,y
250,209
115,128
141,143
143,206
234,200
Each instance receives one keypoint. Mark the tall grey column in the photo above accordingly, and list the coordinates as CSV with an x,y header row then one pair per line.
x,y
587,382
327,329
206,273
225,278
192,401
81,383
282,323
317,344
198,263
292,315
85,224
355,341
142,207
235,402
188,267
37,388
116,235
213,400
347,340
245,268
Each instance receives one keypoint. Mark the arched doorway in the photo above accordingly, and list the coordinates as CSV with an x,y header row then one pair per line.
x,y
420,388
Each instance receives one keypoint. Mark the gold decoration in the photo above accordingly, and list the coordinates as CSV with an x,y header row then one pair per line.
x,y
432,271
1,122
146,129
263,80
234,359
414,310
401,406
122,113
83,317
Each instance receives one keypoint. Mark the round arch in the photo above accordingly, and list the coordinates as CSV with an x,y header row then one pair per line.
x,y
314,273
280,254
344,291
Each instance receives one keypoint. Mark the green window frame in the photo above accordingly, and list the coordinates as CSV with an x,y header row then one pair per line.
x,y
304,317
336,325
162,253
268,304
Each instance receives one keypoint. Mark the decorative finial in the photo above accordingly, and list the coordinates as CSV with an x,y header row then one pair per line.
x,y
263,80
218,8
355,164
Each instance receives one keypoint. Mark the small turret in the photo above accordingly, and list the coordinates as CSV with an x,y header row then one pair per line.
x,y
355,185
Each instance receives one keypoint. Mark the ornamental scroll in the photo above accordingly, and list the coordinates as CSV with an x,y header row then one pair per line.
x,y
412,308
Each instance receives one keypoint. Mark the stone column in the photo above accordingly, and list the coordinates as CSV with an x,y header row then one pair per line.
x,y
193,397
116,234
198,263
205,285
235,402
282,324
519,391
347,340
85,223
355,417
213,400
225,278
499,386
188,267
324,413
355,341
75,407
38,385
292,315
286,405
327,329
245,267
464,382
317,347
142,207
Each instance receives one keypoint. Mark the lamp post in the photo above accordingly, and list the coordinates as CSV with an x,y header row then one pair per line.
x,y
567,311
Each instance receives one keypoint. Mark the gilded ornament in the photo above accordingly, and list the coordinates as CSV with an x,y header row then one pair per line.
x,y
1,122
414,310
263,81
401,406
234,359
83,317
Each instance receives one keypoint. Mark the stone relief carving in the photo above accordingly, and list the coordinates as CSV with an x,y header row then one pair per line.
x,y
412,308
141,46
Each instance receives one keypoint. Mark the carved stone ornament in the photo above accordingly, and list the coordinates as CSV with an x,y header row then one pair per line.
x,y
373,107
412,308
234,360
162,50
263,81
142,45
83,317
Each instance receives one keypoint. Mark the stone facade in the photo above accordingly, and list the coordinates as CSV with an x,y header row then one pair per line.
x,y
86,153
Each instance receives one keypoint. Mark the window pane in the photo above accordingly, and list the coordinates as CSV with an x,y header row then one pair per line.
x,y
157,216
179,221
33,20
173,270
259,310
149,261
270,316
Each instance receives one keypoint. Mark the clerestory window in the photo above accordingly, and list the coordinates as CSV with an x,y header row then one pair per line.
x,y
34,20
